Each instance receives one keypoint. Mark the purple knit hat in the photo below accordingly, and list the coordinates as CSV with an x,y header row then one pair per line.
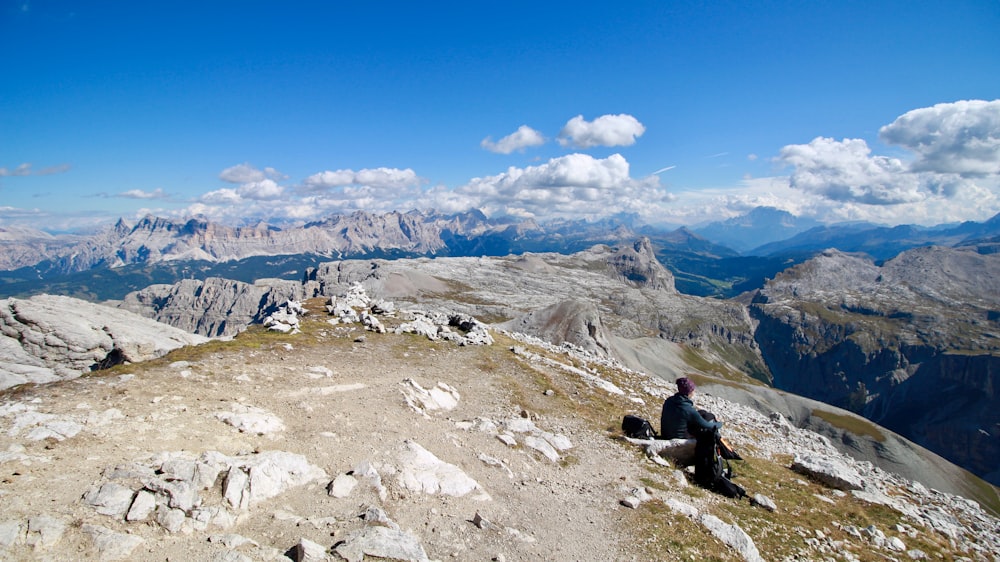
x,y
685,386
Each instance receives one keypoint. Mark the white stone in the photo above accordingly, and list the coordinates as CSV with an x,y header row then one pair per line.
x,y
763,501
10,533
441,397
110,498
733,536
342,486
45,531
421,471
142,506
308,551
170,519
542,446
112,545
682,508
381,542
828,470
248,419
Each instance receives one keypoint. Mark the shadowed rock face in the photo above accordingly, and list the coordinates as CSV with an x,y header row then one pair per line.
x,y
911,345
213,307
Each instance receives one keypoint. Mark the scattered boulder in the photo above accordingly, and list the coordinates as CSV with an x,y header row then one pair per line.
x,y
248,419
169,486
681,451
421,471
441,397
44,531
763,501
550,445
342,486
733,536
110,544
308,551
286,318
829,471
381,542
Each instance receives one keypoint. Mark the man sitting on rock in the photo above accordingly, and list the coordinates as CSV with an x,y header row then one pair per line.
x,y
680,420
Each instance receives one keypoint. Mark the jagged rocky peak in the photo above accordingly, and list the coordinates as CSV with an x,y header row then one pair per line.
x,y
637,263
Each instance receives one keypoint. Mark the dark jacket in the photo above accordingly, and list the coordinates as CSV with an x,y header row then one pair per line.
x,y
679,419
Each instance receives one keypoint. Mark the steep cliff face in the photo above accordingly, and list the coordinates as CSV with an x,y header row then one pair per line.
x,y
911,345
213,307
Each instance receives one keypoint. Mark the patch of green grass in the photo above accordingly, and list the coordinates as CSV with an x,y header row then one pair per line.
x,y
667,535
723,371
855,424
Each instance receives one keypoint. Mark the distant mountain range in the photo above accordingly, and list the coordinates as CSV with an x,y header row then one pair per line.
x,y
721,259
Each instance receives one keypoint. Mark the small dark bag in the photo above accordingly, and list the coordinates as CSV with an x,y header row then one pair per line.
x,y
637,428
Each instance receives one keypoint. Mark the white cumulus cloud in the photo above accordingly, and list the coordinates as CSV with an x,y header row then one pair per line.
x,y
520,139
224,196
575,185
245,173
377,178
261,190
606,130
961,137
845,171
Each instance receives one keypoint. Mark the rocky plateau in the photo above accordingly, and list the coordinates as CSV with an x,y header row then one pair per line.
x,y
353,427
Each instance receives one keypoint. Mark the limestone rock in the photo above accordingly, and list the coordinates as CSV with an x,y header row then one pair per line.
x,y
249,419
828,470
308,551
381,542
44,531
110,544
64,337
421,471
11,533
170,485
440,397
110,498
763,501
342,486
733,536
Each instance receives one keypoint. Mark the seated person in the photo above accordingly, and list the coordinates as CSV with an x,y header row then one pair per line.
x,y
679,419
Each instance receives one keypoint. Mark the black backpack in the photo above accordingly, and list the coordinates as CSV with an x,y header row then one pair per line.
x,y
637,428
711,470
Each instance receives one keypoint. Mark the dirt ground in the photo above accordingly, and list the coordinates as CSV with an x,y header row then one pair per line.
x,y
339,397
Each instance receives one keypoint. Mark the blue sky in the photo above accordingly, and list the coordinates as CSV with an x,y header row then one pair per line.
x,y
677,112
